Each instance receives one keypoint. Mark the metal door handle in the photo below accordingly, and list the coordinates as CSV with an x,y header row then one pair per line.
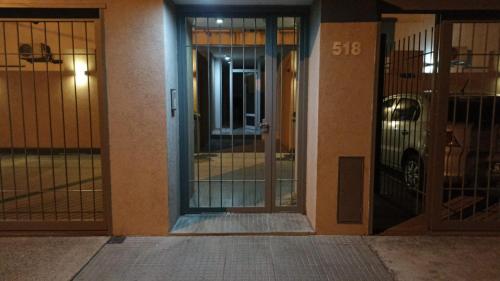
x,y
264,127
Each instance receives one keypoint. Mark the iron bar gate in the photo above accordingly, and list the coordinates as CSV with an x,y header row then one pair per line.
x,y
439,132
52,152
243,101
466,194
403,122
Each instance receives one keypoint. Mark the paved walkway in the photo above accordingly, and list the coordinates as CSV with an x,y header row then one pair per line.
x,y
45,258
346,258
235,258
236,223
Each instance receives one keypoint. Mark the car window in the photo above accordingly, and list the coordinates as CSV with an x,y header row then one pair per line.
x,y
406,110
387,108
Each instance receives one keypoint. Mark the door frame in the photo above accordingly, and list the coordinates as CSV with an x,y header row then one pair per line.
x,y
270,14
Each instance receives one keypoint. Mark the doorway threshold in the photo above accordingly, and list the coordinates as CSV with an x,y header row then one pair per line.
x,y
242,224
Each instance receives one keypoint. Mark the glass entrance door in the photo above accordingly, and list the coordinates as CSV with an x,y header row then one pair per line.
x,y
239,119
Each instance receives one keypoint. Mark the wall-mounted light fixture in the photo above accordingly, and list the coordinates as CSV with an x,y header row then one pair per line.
x,y
219,21
81,73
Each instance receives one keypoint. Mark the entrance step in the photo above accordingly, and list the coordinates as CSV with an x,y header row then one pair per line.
x,y
242,224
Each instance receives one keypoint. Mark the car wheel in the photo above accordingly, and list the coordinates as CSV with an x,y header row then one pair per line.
x,y
412,169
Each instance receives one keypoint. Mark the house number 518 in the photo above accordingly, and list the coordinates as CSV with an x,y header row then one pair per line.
x,y
346,48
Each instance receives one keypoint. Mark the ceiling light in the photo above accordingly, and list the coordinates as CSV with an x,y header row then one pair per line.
x,y
219,21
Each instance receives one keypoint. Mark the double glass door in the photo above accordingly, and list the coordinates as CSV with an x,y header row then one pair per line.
x,y
241,105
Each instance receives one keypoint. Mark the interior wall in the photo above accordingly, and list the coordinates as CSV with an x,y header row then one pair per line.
x,y
312,111
171,69
408,25
41,128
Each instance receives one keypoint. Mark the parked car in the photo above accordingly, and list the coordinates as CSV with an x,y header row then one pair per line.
x,y
472,132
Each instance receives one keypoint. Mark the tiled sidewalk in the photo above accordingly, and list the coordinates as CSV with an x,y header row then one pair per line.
x,y
235,258
255,258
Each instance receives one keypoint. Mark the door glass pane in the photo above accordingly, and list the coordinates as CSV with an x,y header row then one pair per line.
x,y
286,112
226,99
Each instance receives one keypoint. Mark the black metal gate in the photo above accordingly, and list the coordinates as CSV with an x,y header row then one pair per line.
x,y
51,147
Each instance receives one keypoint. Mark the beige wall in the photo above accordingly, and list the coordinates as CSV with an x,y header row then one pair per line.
x,y
137,116
312,111
135,66
40,128
346,89
408,25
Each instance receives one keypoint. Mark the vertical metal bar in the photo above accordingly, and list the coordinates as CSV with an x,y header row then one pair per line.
x,y
394,136
394,63
7,86
413,134
51,134
231,113
295,83
390,86
221,95
270,68
402,129
480,121
103,121
425,129
279,113
90,121
402,119
63,124
478,142
447,167
77,120
256,73
198,146
439,113
418,127
244,116
493,131
466,127
2,186
37,124
209,93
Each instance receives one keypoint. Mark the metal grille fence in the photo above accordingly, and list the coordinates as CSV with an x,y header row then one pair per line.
x,y
439,125
405,108
50,143
471,189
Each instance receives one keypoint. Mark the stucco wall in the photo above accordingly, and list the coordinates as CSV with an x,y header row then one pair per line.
x,y
173,120
312,111
345,119
135,57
